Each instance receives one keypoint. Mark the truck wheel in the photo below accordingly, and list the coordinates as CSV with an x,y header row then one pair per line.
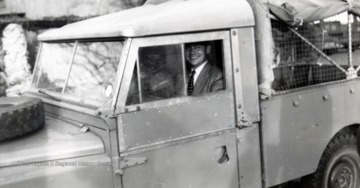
x,y
19,116
339,166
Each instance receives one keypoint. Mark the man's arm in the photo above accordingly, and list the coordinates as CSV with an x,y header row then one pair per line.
x,y
218,82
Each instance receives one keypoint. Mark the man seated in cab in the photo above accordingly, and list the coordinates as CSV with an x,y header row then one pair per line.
x,y
203,77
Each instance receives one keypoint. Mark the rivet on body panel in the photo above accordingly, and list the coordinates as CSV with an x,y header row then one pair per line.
x,y
296,103
234,33
352,91
325,97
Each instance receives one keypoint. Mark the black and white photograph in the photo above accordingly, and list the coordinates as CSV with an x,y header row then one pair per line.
x,y
180,94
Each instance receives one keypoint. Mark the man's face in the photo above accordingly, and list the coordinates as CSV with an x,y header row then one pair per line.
x,y
196,54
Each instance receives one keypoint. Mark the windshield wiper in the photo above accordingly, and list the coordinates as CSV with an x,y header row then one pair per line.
x,y
49,95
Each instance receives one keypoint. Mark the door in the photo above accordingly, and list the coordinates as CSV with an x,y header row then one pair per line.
x,y
167,137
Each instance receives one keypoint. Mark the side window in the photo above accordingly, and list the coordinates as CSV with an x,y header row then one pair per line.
x,y
163,72
299,64
159,74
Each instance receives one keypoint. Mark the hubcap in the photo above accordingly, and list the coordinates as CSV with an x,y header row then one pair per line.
x,y
344,173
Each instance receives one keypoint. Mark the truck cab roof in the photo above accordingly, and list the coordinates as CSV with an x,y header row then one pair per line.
x,y
177,16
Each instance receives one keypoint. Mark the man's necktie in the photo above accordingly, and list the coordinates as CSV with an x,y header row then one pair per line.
x,y
190,87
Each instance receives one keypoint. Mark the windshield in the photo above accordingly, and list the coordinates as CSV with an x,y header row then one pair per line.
x,y
81,69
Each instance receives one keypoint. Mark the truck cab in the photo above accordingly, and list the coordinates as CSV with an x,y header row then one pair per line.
x,y
114,89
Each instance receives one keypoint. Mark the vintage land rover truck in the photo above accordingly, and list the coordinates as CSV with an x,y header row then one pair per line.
x,y
108,105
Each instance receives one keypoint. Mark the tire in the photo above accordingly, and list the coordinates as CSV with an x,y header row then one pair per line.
x,y
339,166
20,116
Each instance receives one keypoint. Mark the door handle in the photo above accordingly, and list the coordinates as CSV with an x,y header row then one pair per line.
x,y
222,154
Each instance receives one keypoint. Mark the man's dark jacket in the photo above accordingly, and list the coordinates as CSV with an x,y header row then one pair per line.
x,y
210,79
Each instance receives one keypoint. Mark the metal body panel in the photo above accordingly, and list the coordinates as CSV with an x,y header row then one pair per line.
x,y
174,121
297,128
165,18
64,103
245,75
352,102
77,115
249,156
57,140
97,125
247,107
82,172
194,164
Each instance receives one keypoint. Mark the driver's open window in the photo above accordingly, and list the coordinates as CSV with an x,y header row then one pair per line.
x,y
162,72
158,74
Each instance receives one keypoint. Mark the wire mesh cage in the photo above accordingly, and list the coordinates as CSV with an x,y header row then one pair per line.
x,y
314,53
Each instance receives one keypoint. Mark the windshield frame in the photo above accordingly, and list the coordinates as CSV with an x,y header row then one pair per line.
x,y
57,98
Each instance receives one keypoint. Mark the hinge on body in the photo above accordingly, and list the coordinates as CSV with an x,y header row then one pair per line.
x,y
244,120
122,163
